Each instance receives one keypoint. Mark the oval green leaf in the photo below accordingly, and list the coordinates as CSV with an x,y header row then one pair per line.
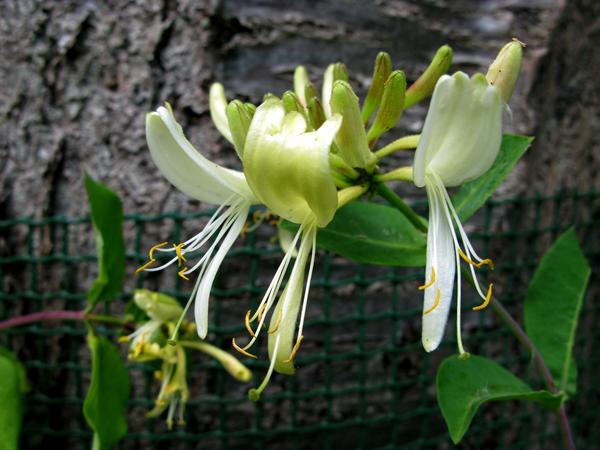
x,y
472,195
552,307
107,218
105,404
11,386
371,233
463,385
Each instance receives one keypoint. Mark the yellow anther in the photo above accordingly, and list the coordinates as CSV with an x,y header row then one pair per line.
x,y
244,229
181,273
180,258
430,283
257,217
295,349
486,261
488,299
261,311
241,350
151,256
123,339
158,374
247,322
435,303
277,322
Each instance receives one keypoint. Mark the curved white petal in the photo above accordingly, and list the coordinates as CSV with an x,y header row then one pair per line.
x,y
326,90
218,107
185,168
287,167
286,312
208,277
462,132
440,256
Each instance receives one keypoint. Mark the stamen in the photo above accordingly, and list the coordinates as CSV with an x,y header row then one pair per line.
x,y
182,272
151,256
247,322
277,322
488,298
123,339
180,258
261,311
430,283
241,350
295,349
435,303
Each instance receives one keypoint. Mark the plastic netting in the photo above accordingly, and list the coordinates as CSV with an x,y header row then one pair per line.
x,y
363,379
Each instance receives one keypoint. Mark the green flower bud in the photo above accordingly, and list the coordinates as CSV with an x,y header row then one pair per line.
x,y
316,114
423,87
302,85
392,105
239,118
291,102
158,306
334,72
381,72
504,71
351,140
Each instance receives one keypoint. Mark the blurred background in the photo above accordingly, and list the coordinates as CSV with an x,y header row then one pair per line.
x,y
76,80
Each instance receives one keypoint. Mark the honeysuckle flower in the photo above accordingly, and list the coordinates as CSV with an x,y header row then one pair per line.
x,y
460,140
288,169
190,172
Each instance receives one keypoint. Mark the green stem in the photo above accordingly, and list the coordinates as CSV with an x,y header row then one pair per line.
x,y
539,362
399,204
404,143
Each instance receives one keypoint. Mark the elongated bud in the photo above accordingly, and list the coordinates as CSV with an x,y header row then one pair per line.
x,y
316,115
423,87
251,108
239,118
291,102
158,306
217,104
301,81
504,71
351,139
334,72
392,105
235,368
381,72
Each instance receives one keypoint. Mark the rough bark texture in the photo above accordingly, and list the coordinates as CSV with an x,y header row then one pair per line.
x,y
78,77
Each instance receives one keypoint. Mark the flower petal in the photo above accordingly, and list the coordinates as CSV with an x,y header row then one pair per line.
x,y
218,105
287,167
462,132
208,277
185,168
440,256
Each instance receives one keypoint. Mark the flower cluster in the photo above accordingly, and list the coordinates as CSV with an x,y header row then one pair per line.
x,y
304,156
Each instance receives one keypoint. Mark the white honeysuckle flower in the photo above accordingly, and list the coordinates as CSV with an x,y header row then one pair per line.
x,y
288,169
190,172
218,105
459,142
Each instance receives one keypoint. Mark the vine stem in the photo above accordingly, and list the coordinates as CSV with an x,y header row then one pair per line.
x,y
522,337
504,315
45,316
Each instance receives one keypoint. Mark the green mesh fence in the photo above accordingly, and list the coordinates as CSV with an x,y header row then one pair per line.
x,y
363,380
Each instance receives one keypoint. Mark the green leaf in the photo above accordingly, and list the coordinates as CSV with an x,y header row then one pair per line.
x,y
472,195
4,352
465,384
11,386
371,233
105,404
552,307
107,218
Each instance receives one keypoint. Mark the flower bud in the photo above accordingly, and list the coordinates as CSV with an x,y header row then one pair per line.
x,y
239,118
351,139
291,102
158,306
334,72
217,104
423,87
392,105
302,85
316,114
504,71
381,72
